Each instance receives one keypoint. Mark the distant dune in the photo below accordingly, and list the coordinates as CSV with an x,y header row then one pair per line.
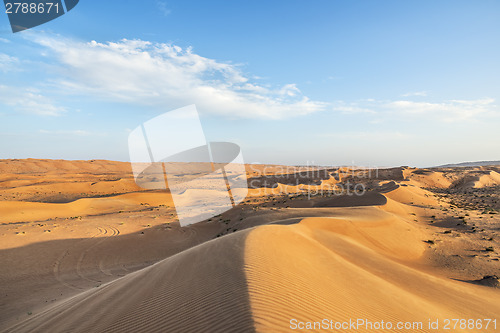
x,y
340,268
420,244
469,164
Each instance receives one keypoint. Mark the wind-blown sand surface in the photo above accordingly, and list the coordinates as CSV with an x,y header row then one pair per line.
x,y
83,249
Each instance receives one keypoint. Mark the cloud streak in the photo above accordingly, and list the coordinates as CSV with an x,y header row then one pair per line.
x,y
29,101
415,94
69,132
8,63
147,73
368,135
445,111
162,7
453,110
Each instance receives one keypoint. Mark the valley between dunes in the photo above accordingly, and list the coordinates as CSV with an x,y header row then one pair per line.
x,y
83,249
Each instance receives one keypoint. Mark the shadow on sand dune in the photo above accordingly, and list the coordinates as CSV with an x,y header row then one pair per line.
x,y
367,199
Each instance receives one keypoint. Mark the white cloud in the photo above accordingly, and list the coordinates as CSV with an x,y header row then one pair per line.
x,y
148,73
454,110
4,40
29,100
68,132
448,111
368,135
415,93
8,63
162,7
353,108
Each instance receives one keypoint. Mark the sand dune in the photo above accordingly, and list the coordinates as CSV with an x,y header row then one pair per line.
x,y
427,178
492,178
368,199
412,195
335,268
185,293
34,211
340,270
79,255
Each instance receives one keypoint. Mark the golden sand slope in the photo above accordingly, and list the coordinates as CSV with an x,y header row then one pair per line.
x,y
356,267
492,178
20,211
63,181
352,269
334,258
202,289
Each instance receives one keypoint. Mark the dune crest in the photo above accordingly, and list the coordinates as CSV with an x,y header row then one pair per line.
x,y
331,269
202,289
344,268
85,250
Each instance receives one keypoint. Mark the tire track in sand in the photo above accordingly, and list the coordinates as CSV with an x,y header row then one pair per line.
x,y
80,249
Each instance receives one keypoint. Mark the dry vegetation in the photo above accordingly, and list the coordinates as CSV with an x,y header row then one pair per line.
x,y
71,234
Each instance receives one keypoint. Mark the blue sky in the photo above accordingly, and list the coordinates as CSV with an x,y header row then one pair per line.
x,y
377,83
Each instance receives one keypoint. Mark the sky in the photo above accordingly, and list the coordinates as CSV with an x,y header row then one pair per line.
x,y
333,82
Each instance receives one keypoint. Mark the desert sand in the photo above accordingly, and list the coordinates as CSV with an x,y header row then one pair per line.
x,y
84,249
